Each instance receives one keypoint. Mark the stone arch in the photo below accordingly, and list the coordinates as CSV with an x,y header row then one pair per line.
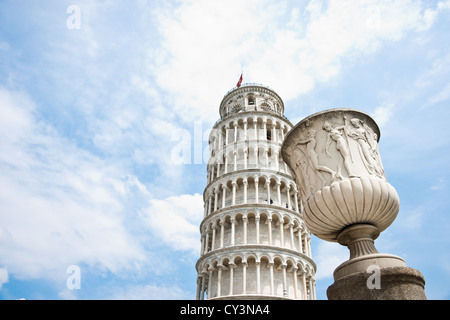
x,y
308,271
252,220
251,259
265,262
278,263
251,101
291,278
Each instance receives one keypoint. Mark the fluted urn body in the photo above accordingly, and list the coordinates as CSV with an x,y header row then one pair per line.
x,y
334,157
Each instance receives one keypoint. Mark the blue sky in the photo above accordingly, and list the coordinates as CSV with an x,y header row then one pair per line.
x,y
94,100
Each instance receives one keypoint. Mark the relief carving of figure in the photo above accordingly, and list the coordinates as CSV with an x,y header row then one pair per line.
x,y
313,156
338,135
366,147
301,174
376,155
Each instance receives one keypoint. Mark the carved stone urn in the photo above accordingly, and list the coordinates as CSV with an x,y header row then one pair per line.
x,y
346,198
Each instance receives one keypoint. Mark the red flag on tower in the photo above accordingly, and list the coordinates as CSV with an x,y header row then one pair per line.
x,y
240,81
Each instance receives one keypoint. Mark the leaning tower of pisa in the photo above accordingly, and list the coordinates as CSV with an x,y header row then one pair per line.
x,y
254,243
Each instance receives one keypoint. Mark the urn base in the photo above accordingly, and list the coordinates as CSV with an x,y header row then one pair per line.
x,y
394,283
369,275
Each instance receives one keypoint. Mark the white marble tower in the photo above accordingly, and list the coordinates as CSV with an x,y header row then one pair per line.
x,y
254,243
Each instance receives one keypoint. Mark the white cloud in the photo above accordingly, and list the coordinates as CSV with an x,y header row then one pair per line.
x,y
206,44
151,292
3,276
440,184
433,76
59,205
4,46
67,295
444,5
15,122
442,95
202,45
383,113
414,219
328,256
176,220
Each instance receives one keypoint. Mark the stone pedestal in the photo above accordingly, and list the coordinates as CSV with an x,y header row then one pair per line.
x,y
396,283
369,275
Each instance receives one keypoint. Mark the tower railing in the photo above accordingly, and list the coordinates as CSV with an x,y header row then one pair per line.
x,y
249,84
225,115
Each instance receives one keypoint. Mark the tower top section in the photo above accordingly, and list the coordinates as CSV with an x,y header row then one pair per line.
x,y
251,97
